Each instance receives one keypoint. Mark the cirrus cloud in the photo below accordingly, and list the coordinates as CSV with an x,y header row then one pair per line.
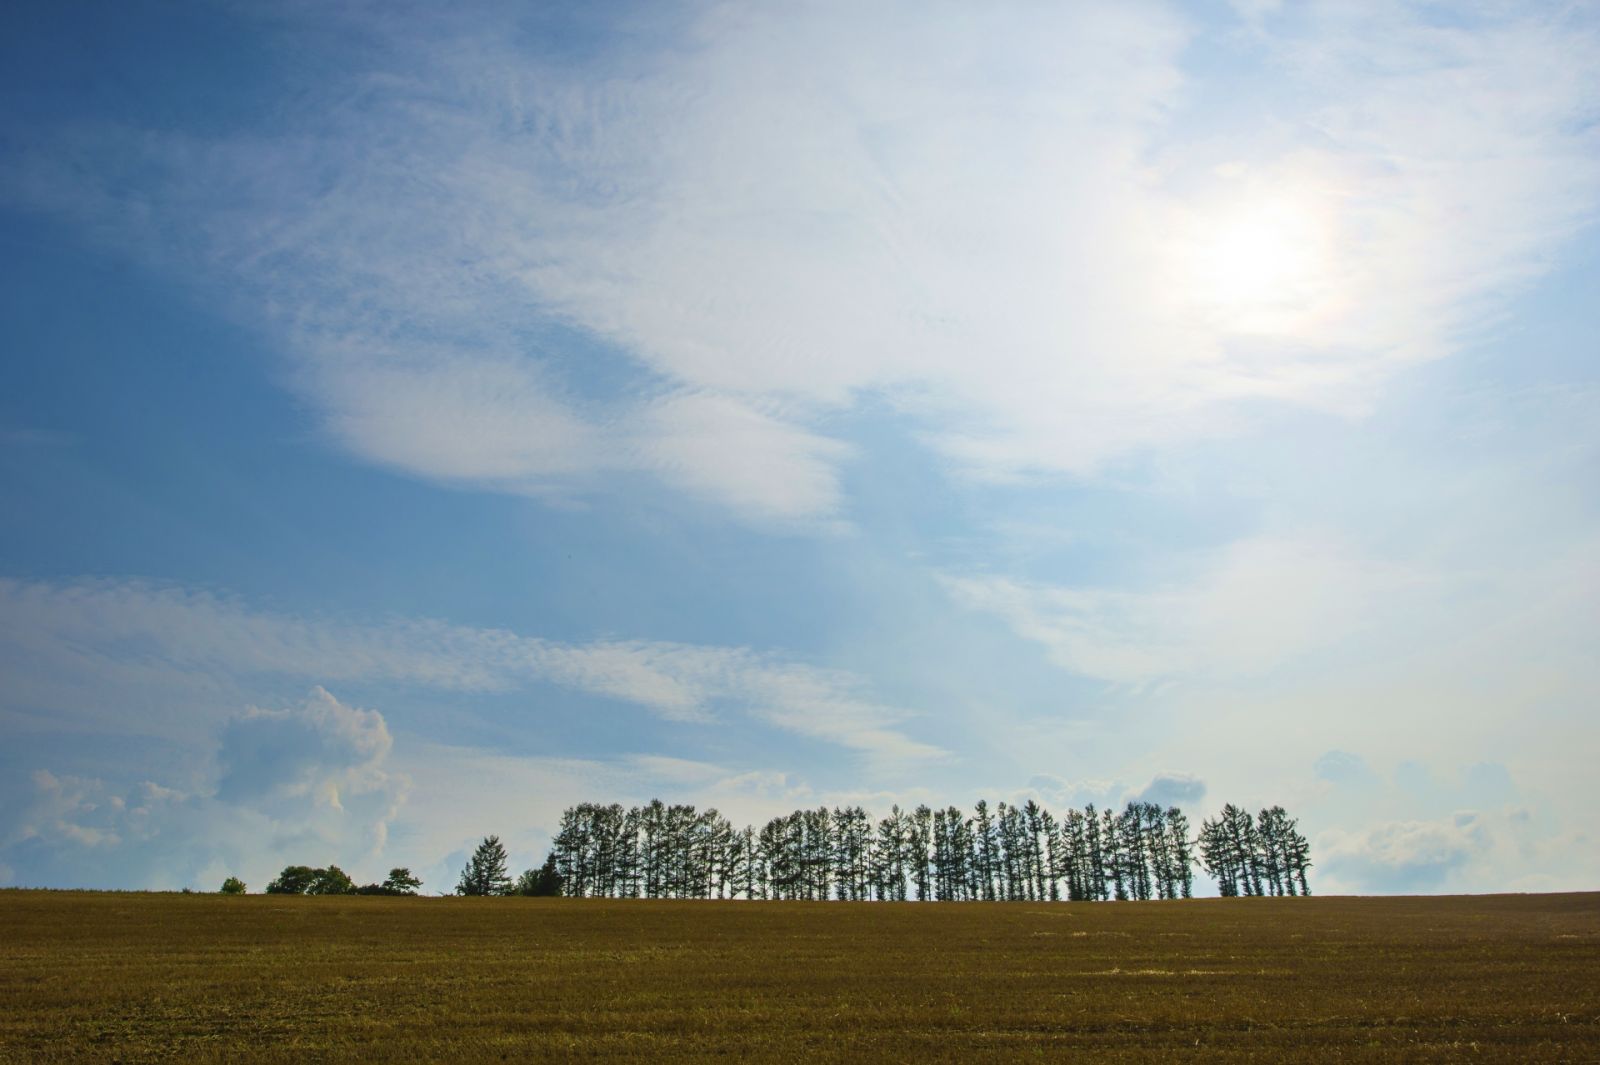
x,y
989,218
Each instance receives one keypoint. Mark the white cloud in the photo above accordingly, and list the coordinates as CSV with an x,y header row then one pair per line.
x,y
1257,606
307,784
317,750
155,635
1278,652
1405,856
723,450
456,417
1174,789
1010,224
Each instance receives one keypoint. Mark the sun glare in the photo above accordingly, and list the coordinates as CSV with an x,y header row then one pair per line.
x,y
1258,266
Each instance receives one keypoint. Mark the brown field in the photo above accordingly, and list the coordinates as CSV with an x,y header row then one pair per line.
x,y
134,977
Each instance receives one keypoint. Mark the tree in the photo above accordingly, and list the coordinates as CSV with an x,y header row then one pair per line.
x,y
1180,847
294,880
920,838
233,886
1299,857
986,846
307,880
1218,858
1239,830
544,881
1097,875
401,882
331,881
1014,852
485,872
1287,854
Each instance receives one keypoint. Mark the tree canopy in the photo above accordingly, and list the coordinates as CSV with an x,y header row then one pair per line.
x,y
307,880
1007,852
486,871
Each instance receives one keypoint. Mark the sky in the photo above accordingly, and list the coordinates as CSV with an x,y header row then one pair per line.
x,y
416,419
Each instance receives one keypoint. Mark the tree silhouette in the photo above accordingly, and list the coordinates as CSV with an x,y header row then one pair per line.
x,y
544,881
485,872
1181,851
331,881
294,880
1008,851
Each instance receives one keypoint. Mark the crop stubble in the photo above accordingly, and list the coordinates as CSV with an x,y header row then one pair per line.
x,y
137,977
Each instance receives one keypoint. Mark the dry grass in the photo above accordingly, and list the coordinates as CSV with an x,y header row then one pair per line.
x,y
127,977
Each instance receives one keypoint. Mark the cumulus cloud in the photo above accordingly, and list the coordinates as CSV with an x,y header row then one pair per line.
x,y
129,630
315,750
1174,789
1405,856
302,784
998,220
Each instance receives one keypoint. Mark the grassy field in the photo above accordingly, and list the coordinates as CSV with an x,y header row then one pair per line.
x,y
132,977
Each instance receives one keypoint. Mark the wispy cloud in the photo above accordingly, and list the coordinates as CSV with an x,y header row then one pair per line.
x,y
1008,223
159,633
1256,607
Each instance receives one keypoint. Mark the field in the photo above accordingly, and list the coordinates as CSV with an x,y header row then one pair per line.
x,y
134,977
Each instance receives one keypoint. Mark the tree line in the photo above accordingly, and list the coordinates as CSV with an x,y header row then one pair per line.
x,y
1009,852
306,880
484,874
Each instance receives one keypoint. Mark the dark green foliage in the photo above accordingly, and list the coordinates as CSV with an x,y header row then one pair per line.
x,y
1007,852
485,872
331,881
294,880
1234,852
544,881
233,886
306,880
1282,852
399,882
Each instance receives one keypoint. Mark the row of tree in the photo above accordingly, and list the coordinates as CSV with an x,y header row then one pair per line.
x,y
1005,853
485,874
308,880
1262,855
1008,852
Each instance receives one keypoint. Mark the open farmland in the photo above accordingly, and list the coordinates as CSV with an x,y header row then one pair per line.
x,y
135,977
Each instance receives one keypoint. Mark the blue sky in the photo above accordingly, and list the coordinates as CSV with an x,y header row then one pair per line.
x,y
413,423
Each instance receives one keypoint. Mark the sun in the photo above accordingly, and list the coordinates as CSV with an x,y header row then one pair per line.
x,y
1257,264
